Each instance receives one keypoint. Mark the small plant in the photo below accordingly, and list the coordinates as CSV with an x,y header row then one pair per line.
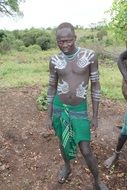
x,y
42,100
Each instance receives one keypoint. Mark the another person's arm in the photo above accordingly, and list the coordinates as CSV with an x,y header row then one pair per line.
x,y
52,88
122,65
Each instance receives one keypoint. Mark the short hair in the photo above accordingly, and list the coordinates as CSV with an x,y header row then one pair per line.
x,y
65,25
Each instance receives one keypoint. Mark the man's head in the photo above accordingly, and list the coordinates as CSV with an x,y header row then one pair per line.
x,y
65,36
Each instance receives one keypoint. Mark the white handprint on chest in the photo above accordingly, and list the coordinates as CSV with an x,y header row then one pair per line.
x,y
85,59
59,63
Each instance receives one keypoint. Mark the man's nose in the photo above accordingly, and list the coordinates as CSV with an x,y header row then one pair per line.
x,y
65,44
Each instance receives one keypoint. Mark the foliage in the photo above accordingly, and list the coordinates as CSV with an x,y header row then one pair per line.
x,y
45,41
7,41
111,80
42,100
24,68
18,44
33,36
101,33
33,48
10,7
2,35
29,37
118,14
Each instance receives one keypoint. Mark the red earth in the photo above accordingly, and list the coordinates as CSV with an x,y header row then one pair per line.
x,y
30,157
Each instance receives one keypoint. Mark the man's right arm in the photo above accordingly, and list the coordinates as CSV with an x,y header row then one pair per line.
x,y
122,65
52,88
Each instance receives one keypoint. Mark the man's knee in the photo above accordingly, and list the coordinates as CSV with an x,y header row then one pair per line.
x,y
85,148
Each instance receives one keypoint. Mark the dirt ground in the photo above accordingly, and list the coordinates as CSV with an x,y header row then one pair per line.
x,y
29,156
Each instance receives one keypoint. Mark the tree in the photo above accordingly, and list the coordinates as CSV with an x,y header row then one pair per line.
x,y
118,13
10,7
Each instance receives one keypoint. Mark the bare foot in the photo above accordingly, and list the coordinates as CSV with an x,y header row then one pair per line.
x,y
111,160
64,174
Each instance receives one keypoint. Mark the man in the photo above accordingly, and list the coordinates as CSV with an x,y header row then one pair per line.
x,y
122,65
70,71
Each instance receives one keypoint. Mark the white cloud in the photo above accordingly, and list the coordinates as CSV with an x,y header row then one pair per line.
x,y
50,13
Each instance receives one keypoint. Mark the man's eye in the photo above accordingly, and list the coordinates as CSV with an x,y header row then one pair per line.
x,y
69,41
60,42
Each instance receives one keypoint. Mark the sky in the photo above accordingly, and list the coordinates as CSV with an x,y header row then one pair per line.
x,y
50,13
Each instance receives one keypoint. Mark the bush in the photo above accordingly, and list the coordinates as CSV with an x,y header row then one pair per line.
x,y
45,41
28,40
22,48
42,101
5,46
18,44
108,42
101,34
34,48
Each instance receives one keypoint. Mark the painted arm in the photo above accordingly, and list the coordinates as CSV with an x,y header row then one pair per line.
x,y
122,64
52,88
95,90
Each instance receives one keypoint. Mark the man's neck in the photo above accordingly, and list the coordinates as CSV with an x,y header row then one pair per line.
x,y
72,54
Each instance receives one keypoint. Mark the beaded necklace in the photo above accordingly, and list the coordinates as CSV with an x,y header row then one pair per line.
x,y
71,56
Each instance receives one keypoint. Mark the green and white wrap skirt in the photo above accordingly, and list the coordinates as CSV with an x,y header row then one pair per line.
x,y
71,125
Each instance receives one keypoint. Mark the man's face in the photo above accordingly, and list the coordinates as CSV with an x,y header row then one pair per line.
x,y
66,40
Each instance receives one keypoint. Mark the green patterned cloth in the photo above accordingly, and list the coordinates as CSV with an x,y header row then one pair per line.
x,y
71,125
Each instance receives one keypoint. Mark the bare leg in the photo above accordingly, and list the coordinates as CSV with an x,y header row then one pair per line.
x,y
121,141
92,164
66,169
114,158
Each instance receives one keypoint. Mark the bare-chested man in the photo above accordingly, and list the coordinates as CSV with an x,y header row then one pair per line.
x,y
122,64
70,72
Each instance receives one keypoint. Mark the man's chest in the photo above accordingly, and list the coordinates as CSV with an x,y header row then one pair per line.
x,y
76,66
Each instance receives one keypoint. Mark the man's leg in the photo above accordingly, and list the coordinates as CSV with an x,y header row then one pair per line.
x,y
114,158
121,141
92,164
66,169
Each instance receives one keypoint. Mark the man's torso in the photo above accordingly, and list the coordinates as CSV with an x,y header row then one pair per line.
x,y
73,74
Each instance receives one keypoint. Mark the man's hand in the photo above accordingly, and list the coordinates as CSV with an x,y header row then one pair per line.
x,y
94,126
94,123
49,124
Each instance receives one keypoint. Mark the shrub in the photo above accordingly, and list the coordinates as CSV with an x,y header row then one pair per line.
x,y
34,48
45,41
42,100
18,44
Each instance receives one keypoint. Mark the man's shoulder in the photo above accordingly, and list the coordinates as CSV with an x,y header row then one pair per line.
x,y
88,53
56,56
87,50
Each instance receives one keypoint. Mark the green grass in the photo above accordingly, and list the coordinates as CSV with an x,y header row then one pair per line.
x,y
29,68
24,68
13,74
111,80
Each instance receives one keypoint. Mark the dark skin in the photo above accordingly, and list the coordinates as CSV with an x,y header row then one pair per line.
x,y
122,65
74,76
66,44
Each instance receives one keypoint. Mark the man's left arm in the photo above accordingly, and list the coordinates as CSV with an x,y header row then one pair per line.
x,y
95,90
